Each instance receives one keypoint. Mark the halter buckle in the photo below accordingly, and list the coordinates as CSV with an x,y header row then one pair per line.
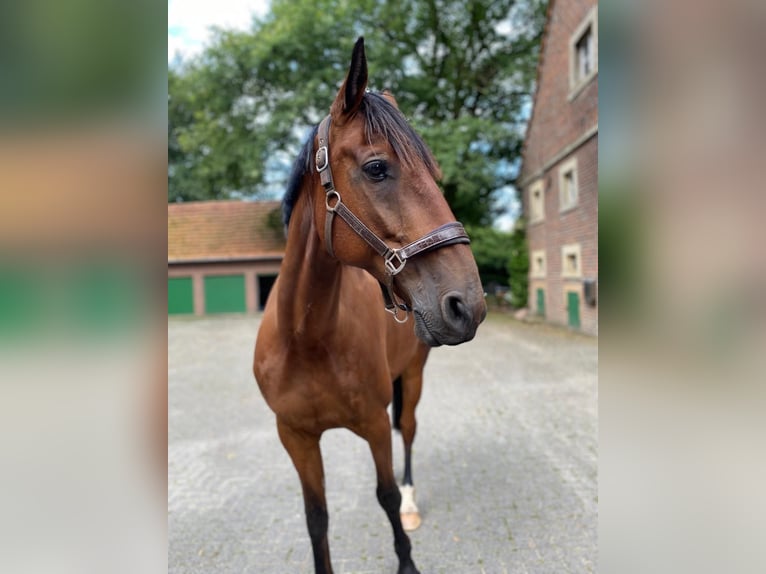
x,y
394,262
322,158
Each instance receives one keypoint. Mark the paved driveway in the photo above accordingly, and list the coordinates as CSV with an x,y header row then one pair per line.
x,y
505,461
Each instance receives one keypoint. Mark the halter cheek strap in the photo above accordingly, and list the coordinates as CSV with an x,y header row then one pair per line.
x,y
394,258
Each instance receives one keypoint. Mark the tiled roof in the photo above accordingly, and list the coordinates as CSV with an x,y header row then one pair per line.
x,y
224,230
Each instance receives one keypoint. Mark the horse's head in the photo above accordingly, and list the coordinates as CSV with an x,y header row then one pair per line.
x,y
381,173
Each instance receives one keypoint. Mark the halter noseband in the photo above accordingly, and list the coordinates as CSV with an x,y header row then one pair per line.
x,y
394,258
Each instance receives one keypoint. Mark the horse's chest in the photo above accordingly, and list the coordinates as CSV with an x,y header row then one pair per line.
x,y
328,391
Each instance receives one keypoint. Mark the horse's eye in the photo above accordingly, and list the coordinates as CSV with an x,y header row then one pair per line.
x,y
376,170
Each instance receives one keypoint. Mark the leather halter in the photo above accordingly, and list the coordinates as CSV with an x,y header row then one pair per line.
x,y
394,258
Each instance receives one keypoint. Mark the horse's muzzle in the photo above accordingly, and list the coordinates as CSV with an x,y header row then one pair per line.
x,y
456,320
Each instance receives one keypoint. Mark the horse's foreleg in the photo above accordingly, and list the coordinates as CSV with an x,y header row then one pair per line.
x,y
389,497
307,458
412,384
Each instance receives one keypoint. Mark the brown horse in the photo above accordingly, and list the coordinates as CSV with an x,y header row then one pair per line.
x,y
327,350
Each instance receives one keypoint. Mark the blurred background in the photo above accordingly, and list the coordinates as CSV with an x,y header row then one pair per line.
x,y
85,183
683,327
82,308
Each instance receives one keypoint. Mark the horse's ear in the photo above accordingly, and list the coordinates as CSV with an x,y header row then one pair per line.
x,y
390,97
352,91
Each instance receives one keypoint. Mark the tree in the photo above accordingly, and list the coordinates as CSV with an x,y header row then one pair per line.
x,y
518,268
461,71
490,249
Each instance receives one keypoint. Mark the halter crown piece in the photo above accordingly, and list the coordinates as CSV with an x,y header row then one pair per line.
x,y
394,258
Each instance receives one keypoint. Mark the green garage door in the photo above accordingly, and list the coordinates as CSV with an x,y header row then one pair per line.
x,y
180,295
573,309
541,302
225,294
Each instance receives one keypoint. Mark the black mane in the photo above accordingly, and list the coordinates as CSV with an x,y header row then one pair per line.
x,y
303,165
381,120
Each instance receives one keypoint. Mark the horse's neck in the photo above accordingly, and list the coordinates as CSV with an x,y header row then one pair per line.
x,y
309,288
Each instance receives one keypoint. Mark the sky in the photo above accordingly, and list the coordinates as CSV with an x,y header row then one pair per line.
x,y
189,21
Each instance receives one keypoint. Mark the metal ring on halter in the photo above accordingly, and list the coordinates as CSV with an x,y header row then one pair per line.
x,y
393,312
328,198
392,305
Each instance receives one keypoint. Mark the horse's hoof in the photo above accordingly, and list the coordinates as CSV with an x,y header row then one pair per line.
x,y
408,509
410,521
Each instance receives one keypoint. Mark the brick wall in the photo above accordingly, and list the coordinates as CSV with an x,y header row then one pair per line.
x,y
556,120
577,226
562,129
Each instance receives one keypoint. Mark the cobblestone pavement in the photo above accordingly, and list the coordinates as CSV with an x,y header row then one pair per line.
x,y
505,461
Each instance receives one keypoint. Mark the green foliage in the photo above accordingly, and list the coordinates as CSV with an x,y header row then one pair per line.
x,y
274,221
79,61
462,72
518,268
502,259
490,249
622,260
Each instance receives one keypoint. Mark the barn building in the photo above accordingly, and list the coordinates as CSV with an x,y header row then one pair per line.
x,y
223,256
559,174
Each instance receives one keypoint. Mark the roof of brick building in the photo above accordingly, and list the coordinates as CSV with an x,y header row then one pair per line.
x,y
224,230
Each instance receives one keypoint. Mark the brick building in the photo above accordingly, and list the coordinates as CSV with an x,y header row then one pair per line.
x,y
223,256
559,174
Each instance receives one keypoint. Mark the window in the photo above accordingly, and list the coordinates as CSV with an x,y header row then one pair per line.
x,y
583,53
568,185
537,202
538,264
571,263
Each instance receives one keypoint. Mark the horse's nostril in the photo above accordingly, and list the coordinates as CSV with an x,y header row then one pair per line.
x,y
455,309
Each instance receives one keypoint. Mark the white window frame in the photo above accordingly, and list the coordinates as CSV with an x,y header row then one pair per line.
x,y
537,208
538,272
565,203
576,82
566,251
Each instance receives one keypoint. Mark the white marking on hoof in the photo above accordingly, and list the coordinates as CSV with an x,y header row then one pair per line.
x,y
408,499
409,510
